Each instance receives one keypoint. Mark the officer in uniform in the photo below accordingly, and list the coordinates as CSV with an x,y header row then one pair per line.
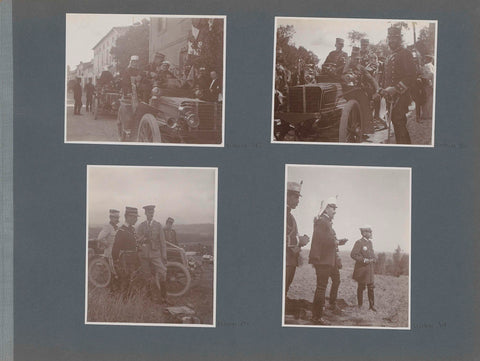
x,y
153,254
294,242
170,234
125,241
337,57
364,270
77,96
154,67
324,258
367,58
130,75
107,235
400,77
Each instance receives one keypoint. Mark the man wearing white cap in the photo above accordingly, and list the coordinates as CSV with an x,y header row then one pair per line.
x,y
294,242
153,254
107,234
324,258
364,270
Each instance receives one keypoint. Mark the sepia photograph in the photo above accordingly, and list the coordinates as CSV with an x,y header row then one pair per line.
x,y
347,247
151,246
145,79
354,81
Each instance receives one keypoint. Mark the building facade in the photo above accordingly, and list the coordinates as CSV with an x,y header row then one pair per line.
x,y
101,51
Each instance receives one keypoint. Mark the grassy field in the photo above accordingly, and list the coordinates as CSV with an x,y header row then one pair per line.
x,y
391,298
104,306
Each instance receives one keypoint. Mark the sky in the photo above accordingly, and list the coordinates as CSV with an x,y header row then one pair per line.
x,y
84,31
318,35
379,197
185,194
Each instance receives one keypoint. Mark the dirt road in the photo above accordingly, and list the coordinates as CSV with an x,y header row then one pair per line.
x,y
83,128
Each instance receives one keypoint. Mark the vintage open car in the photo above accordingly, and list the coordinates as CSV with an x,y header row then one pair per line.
x,y
329,110
101,270
172,115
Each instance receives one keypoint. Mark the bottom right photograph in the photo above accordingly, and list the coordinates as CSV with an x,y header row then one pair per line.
x,y
347,247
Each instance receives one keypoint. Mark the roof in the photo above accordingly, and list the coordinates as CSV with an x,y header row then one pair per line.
x,y
115,28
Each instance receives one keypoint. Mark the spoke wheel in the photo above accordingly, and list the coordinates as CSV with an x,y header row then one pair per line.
x,y
99,273
148,130
350,130
178,279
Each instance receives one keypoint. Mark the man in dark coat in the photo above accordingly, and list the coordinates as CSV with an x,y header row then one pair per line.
x,y
215,87
364,270
399,80
323,256
77,96
170,234
294,242
89,90
125,241
337,57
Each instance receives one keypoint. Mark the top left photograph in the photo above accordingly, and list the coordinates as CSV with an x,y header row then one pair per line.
x,y
145,79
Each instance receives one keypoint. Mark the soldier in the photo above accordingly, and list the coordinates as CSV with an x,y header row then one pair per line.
x,y
89,90
215,88
337,57
154,67
368,59
170,234
77,96
324,258
125,240
164,74
294,242
130,75
400,77
108,232
153,254
364,271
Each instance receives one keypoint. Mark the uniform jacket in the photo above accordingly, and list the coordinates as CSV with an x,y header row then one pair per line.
x,y
363,272
292,241
124,241
152,240
401,72
339,58
324,243
107,237
77,91
170,236
89,90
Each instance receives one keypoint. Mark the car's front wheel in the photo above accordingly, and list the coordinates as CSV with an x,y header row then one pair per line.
x,y
350,129
148,130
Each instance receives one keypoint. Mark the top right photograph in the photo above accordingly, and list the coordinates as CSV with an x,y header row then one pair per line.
x,y
354,81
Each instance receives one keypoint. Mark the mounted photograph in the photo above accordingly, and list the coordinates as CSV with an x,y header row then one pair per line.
x,y
354,81
145,79
353,269
151,246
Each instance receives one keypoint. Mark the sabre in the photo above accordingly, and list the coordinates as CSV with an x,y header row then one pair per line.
x,y
389,120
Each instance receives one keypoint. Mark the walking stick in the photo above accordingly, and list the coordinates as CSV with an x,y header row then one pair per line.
x,y
389,120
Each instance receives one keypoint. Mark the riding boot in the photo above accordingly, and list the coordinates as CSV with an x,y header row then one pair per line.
x,y
371,299
360,297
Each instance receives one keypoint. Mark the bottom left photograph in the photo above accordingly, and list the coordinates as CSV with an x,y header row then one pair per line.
x,y
151,246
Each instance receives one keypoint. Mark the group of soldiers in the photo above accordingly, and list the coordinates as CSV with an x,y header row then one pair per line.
x,y
324,255
160,74
394,78
146,246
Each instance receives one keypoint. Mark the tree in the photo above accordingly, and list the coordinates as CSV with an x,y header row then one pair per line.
x,y
426,40
208,44
404,264
355,36
133,42
396,262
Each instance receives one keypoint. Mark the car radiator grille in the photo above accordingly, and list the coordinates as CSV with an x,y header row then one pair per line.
x,y
210,115
304,99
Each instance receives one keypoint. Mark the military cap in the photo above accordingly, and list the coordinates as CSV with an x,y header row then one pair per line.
x,y
134,57
131,211
150,207
394,31
170,220
366,227
114,212
355,50
332,202
294,187
159,55
364,42
339,41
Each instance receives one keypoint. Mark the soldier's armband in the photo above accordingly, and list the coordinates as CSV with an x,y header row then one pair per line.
x,y
401,87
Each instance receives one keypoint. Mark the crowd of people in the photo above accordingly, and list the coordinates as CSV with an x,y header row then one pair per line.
x,y
324,256
127,248
399,78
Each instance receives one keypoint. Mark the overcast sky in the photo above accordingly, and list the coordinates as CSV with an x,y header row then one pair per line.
x,y
318,35
379,197
186,194
84,31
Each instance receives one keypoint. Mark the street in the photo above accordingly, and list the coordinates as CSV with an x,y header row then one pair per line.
x,y
86,129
